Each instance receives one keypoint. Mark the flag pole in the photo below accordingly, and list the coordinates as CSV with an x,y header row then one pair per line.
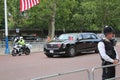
x,y
7,50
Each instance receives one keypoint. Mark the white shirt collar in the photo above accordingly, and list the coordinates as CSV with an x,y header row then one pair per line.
x,y
106,39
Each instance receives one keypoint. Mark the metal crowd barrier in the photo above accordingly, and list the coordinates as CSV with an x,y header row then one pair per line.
x,y
80,70
116,78
101,67
66,73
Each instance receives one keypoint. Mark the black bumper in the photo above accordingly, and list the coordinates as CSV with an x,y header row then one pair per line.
x,y
55,52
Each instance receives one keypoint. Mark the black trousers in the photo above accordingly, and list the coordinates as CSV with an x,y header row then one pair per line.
x,y
108,72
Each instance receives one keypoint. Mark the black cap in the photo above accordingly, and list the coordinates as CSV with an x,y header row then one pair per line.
x,y
108,29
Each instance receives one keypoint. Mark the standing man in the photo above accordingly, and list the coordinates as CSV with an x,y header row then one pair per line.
x,y
108,53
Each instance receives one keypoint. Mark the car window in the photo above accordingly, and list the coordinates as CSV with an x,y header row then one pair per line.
x,y
67,36
80,37
101,36
93,36
86,36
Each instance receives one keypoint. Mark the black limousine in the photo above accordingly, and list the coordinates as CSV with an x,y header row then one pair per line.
x,y
71,44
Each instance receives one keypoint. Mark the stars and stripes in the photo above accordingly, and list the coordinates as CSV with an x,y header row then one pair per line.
x,y
27,4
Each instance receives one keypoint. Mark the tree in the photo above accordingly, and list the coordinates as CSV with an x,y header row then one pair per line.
x,y
51,15
1,14
52,20
108,13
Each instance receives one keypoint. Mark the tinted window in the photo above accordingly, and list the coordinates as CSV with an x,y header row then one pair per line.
x,y
93,36
66,36
80,37
86,36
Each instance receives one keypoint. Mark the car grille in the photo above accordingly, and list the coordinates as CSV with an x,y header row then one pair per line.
x,y
52,46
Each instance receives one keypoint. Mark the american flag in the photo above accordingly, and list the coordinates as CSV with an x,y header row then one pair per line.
x,y
27,4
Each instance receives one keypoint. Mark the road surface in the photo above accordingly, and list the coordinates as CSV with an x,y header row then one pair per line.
x,y
38,65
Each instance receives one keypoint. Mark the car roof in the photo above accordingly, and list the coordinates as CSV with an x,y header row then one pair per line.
x,y
87,33
81,33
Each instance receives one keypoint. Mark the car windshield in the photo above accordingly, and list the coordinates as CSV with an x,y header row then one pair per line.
x,y
67,36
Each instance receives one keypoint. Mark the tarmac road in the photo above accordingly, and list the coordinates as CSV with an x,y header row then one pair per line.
x,y
38,65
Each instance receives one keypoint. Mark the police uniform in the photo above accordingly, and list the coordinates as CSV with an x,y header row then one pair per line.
x,y
108,55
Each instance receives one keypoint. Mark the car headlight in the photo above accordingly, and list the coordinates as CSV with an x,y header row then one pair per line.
x,y
59,45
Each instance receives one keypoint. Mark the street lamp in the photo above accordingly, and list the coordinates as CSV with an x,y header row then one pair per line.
x,y
7,50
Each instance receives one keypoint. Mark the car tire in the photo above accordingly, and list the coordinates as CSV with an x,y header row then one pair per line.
x,y
71,51
49,55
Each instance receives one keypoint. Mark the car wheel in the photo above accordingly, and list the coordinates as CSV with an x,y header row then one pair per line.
x,y
71,51
49,55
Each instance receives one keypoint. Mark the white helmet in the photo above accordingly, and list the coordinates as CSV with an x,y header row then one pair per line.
x,y
21,37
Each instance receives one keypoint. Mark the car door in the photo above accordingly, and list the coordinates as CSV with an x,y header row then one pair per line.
x,y
87,42
79,43
84,42
94,40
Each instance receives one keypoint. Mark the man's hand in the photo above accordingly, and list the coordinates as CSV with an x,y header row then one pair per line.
x,y
116,61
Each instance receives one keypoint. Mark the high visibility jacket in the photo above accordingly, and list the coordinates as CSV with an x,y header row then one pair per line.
x,y
21,42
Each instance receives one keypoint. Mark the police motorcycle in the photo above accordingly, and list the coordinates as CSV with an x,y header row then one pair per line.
x,y
19,49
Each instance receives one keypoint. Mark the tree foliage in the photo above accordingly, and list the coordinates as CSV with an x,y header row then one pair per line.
x,y
70,15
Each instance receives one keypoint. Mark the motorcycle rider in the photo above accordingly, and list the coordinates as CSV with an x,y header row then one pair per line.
x,y
16,40
21,43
